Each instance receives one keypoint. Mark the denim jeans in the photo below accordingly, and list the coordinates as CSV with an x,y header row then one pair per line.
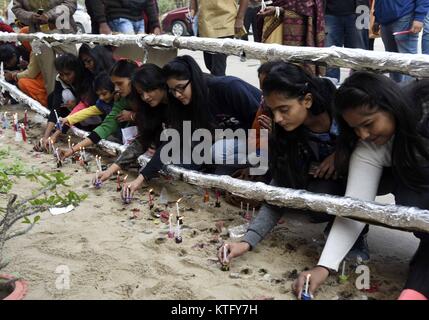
x,y
425,39
406,43
342,31
127,26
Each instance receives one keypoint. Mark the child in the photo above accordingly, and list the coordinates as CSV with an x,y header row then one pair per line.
x,y
105,90
72,85
381,133
122,114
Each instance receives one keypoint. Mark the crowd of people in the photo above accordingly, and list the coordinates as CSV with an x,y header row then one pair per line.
x,y
365,137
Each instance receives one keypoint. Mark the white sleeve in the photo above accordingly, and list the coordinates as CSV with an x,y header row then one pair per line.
x,y
365,170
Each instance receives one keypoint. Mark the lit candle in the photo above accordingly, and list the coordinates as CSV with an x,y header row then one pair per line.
x,y
57,155
177,208
125,180
118,181
225,253
58,123
69,141
49,144
84,153
150,198
23,133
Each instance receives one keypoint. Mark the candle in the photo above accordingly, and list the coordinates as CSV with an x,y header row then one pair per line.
x,y
69,141
253,212
96,176
150,199
177,208
58,123
225,253
247,209
178,236
41,142
57,154
23,133
118,181
49,144
344,266
170,226
84,154
307,281
25,119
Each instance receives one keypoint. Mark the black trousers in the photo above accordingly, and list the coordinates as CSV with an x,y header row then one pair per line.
x,y
216,63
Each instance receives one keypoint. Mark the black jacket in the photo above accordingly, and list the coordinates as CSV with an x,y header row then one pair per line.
x,y
343,7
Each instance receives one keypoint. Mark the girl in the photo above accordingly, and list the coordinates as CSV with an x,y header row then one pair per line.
x,y
96,60
72,85
121,115
302,146
379,128
150,95
206,101
105,90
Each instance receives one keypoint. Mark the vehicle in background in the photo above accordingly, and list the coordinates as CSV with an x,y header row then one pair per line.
x,y
177,22
82,18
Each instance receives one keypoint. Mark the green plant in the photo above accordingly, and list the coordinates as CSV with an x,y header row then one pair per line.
x,y
42,198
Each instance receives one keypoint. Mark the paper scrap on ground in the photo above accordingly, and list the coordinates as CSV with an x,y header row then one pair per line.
x,y
58,211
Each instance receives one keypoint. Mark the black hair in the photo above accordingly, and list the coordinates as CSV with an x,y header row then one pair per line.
x,y
83,78
290,154
8,52
266,67
102,57
102,82
378,92
149,119
123,69
186,68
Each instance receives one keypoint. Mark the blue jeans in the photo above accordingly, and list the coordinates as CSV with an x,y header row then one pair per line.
x,y
127,26
406,43
425,39
342,31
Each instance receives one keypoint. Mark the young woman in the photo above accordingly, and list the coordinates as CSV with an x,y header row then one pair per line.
x,y
302,146
207,102
381,131
96,60
73,84
150,95
121,115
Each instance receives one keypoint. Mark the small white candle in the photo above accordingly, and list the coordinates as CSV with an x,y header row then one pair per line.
x,y
178,228
225,253
307,281
177,207
344,267
69,141
57,154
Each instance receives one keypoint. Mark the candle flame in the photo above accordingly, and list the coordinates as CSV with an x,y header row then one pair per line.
x,y
179,200
150,191
125,178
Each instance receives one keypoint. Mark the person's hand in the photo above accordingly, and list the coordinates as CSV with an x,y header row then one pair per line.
x,y
104,28
45,144
265,122
125,116
417,26
43,19
242,174
239,25
65,122
35,18
376,28
133,187
327,168
156,31
235,249
10,76
65,153
318,277
269,11
105,175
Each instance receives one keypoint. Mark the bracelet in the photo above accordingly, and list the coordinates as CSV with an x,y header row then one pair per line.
x,y
133,116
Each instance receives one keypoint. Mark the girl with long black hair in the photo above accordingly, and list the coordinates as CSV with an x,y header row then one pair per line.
x,y
383,134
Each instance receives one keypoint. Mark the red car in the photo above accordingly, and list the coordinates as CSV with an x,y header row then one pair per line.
x,y
177,22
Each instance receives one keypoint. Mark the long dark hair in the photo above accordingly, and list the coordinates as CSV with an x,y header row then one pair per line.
x,y
198,112
378,92
102,57
290,154
83,79
149,119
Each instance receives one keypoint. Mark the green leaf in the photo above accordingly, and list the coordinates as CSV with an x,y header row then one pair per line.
x,y
26,220
36,219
